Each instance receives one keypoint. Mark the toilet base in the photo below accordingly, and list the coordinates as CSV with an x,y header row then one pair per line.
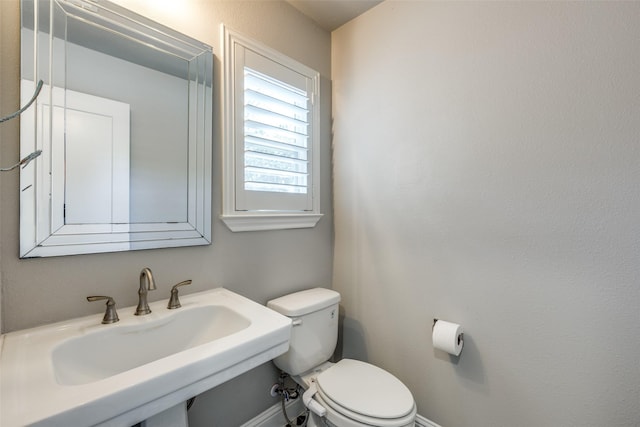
x,y
316,421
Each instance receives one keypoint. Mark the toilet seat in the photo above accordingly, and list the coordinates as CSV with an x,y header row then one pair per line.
x,y
366,394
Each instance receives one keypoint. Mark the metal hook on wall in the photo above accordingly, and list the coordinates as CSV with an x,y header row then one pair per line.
x,y
20,111
25,161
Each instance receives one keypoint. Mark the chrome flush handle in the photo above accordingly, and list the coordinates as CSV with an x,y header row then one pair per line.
x,y
174,302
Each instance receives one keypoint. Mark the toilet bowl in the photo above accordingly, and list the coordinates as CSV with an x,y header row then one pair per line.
x,y
349,393
357,394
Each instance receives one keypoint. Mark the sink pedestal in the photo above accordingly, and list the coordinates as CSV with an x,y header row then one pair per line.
x,y
176,416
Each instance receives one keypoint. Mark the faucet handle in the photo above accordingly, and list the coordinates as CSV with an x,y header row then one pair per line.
x,y
110,315
174,302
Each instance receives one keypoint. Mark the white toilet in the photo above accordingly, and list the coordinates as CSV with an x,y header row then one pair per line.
x,y
349,393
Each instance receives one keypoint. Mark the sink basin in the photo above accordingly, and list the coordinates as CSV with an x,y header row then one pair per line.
x,y
83,373
111,351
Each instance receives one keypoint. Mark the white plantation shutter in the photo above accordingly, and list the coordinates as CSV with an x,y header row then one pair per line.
x,y
275,135
271,162
273,139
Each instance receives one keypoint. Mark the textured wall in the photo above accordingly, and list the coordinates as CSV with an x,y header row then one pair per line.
x,y
259,265
486,171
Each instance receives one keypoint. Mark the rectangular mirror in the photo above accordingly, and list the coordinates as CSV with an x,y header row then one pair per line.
x,y
124,122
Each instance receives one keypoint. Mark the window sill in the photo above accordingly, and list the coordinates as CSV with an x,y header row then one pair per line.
x,y
265,221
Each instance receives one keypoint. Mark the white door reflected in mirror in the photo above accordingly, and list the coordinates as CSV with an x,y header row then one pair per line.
x,y
96,160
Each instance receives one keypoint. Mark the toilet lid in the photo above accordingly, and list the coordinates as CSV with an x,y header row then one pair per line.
x,y
365,389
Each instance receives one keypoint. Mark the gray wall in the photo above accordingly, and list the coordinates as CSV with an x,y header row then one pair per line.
x,y
9,69
487,171
259,265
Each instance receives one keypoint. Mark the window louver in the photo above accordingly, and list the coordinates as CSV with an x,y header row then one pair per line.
x,y
276,141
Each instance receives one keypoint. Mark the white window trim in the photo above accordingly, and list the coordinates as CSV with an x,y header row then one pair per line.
x,y
262,220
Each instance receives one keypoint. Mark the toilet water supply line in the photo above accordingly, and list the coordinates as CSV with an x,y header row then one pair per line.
x,y
285,395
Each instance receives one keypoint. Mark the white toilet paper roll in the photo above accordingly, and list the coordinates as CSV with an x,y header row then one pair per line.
x,y
448,337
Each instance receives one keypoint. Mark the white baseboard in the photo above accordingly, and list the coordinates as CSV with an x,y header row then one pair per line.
x,y
273,416
423,422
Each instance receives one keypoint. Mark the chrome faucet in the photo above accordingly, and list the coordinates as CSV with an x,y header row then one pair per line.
x,y
146,284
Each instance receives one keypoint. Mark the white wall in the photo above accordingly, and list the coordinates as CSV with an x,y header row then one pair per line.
x,y
259,265
486,171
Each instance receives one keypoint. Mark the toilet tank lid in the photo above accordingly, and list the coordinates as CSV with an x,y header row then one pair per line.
x,y
304,302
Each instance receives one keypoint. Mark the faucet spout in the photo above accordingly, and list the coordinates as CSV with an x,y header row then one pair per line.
x,y
147,283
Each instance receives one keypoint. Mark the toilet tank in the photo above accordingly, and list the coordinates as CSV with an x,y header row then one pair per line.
x,y
314,334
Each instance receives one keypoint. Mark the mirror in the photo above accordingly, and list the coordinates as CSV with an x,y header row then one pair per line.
x,y
124,122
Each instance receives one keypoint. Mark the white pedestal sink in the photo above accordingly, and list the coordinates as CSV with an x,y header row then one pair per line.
x,y
83,373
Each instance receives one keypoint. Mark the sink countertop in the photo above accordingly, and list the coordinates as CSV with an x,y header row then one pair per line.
x,y
31,395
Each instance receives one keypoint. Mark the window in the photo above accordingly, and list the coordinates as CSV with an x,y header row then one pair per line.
x,y
271,147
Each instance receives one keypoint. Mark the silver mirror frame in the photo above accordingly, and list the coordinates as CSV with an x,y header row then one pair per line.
x,y
42,233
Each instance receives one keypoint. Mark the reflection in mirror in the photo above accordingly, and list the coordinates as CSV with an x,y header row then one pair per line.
x,y
124,122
